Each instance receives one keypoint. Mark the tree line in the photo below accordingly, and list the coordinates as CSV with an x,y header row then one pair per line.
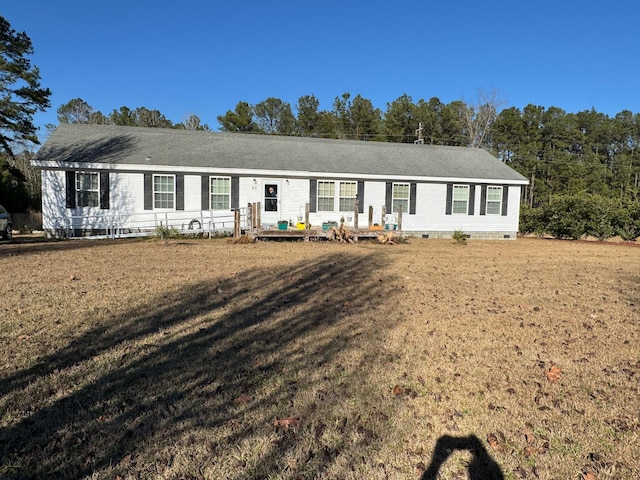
x,y
559,152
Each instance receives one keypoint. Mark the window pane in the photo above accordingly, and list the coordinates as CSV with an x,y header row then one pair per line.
x,y
460,198
220,193
87,188
401,190
348,192
326,189
163,191
326,196
494,194
400,196
325,204
404,203
221,185
348,189
494,200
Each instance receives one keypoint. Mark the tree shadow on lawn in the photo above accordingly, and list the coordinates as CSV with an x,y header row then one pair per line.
x,y
32,247
154,392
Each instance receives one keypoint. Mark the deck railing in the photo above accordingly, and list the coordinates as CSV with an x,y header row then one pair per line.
x,y
205,222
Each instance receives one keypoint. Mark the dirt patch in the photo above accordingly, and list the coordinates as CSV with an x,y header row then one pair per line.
x,y
202,359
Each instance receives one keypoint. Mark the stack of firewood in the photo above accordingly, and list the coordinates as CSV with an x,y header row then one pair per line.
x,y
340,234
387,238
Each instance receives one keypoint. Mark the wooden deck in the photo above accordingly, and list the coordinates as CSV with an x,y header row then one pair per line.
x,y
312,234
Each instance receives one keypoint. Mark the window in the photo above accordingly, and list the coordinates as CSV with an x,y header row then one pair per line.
x,y
326,196
460,198
494,200
87,189
164,191
220,193
400,196
348,194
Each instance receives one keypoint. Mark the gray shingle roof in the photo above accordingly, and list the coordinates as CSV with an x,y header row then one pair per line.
x,y
183,148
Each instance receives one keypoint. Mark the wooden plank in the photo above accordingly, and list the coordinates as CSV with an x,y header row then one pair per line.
x,y
355,215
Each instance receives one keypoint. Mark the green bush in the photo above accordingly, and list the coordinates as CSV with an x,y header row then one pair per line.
x,y
563,217
530,220
460,237
574,216
600,216
165,232
627,223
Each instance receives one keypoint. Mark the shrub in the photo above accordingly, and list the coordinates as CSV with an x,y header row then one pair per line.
x,y
460,237
600,216
530,220
165,232
563,217
627,221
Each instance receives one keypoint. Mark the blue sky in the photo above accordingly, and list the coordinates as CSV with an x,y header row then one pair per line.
x,y
203,57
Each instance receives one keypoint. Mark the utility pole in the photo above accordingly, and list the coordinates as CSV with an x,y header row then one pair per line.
x,y
420,139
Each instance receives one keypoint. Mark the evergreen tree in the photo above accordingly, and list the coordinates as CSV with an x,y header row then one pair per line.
x,y
21,95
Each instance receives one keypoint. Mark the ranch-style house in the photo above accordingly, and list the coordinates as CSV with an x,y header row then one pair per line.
x,y
104,179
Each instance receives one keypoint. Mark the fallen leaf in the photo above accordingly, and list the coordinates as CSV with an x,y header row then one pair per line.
x,y
529,436
286,422
521,472
23,337
553,373
496,441
398,390
589,475
243,399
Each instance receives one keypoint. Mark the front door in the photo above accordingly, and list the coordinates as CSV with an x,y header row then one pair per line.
x,y
271,201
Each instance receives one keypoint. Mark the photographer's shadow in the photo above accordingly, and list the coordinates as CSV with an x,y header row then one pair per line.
x,y
481,467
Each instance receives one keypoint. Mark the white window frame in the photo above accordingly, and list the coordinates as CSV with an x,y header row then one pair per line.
x,y
87,196
223,196
397,199
170,195
460,202
347,195
325,197
494,205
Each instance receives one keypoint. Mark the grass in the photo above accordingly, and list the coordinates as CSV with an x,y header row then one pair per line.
x,y
203,359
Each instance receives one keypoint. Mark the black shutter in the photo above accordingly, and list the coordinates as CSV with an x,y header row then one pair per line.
x,y
235,193
483,200
412,198
148,191
388,197
104,190
449,205
204,192
472,199
70,188
360,197
179,192
505,199
313,195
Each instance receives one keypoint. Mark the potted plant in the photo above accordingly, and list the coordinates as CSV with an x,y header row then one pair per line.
x,y
327,225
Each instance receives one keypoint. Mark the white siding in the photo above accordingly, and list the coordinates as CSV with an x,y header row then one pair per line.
x,y
127,201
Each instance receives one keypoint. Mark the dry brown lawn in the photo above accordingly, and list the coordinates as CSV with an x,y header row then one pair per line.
x,y
203,359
